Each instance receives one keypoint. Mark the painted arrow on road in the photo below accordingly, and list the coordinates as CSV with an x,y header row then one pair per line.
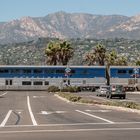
x,y
49,112
98,110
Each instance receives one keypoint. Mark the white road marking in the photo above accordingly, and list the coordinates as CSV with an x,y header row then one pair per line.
x,y
48,112
95,116
19,111
70,130
60,112
6,118
30,112
39,96
3,94
98,110
72,124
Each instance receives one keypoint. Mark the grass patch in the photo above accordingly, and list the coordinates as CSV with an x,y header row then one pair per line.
x,y
69,96
126,104
75,98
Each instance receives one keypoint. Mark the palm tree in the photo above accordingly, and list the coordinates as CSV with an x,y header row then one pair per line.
x,y
98,56
100,53
58,52
138,63
65,52
52,53
90,58
101,57
121,61
111,58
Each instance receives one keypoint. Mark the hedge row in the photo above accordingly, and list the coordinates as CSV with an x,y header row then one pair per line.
x,y
64,89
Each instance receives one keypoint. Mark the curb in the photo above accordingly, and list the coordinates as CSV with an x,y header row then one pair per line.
x,y
118,108
132,92
64,99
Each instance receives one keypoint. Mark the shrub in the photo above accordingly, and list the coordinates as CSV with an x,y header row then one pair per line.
x,y
70,89
53,89
90,101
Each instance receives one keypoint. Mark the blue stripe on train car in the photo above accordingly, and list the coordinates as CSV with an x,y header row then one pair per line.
x,y
51,71
122,72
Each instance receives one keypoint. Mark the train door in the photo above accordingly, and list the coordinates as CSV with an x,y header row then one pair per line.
x,y
8,82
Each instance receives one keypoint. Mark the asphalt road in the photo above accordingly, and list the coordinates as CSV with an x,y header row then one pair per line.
x,y
42,116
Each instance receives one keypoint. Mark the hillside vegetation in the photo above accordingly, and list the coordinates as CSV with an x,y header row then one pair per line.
x,y
33,52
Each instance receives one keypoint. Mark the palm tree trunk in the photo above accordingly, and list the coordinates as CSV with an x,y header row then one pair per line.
x,y
108,74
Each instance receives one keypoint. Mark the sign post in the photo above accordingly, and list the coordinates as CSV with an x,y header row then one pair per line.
x,y
67,73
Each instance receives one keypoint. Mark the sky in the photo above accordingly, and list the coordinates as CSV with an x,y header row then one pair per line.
x,y
15,9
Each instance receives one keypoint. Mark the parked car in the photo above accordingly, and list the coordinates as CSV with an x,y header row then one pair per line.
x,y
116,91
102,91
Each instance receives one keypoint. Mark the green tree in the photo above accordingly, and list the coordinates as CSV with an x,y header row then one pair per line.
x,y
90,58
138,63
111,58
97,56
100,53
121,61
101,57
58,52
65,52
52,53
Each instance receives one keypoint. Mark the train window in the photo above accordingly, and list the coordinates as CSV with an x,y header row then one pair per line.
x,y
38,83
15,70
49,71
4,71
60,71
6,82
130,71
84,72
26,82
72,71
121,71
26,71
46,82
37,71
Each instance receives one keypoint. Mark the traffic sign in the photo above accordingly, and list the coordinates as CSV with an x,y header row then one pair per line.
x,y
68,70
136,70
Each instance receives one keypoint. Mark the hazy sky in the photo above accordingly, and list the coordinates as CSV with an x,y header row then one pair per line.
x,y
15,9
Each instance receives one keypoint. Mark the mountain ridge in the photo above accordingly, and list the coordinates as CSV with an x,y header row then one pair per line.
x,y
70,25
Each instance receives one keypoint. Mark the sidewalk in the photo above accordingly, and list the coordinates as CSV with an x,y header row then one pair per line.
x,y
133,92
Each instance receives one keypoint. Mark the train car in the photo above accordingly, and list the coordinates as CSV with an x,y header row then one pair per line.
x,y
129,76
41,77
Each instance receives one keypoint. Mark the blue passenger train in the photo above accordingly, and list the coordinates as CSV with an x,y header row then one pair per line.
x,y
41,77
129,76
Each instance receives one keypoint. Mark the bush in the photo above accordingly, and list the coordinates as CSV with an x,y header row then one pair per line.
x,y
53,89
90,101
131,105
70,89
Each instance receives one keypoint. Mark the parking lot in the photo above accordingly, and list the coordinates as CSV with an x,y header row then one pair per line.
x,y
41,115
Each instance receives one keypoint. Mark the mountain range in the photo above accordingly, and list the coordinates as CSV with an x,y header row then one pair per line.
x,y
70,25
